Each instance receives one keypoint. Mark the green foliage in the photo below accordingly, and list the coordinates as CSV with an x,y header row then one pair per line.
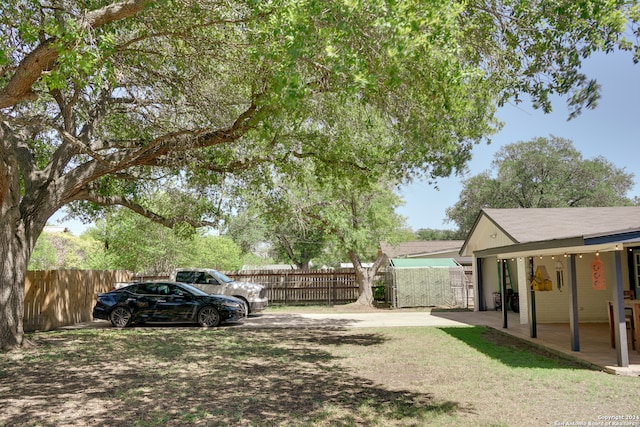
x,y
412,85
433,234
216,252
299,245
355,218
379,291
64,251
132,242
44,256
542,173
247,230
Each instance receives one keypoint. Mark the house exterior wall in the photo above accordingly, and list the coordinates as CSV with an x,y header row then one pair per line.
x,y
490,282
553,306
485,236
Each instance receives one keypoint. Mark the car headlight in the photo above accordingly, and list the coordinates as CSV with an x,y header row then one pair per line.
x,y
232,304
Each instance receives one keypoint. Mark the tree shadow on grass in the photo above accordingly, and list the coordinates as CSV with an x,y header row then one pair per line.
x,y
512,351
192,376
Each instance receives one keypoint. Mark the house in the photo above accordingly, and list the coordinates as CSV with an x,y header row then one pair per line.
x,y
567,265
427,249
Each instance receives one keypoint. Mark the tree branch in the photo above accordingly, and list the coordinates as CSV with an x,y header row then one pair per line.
x,y
147,213
43,57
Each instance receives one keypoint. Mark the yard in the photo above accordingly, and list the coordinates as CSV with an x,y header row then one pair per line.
x,y
176,376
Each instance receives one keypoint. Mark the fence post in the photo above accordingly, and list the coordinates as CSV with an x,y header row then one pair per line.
x,y
286,288
334,291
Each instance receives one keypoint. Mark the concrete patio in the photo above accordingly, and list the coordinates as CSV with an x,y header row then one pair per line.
x,y
595,343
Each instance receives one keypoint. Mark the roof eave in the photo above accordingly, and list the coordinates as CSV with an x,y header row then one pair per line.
x,y
531,247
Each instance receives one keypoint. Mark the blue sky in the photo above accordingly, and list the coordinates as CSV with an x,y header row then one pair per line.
x,y
609,131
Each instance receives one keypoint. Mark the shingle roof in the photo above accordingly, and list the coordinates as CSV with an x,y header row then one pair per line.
x,y
542,224
421,247
424,262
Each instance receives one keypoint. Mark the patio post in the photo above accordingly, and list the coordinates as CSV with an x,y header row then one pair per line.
x,y
620,327
524,285
479,303
573,304
503,284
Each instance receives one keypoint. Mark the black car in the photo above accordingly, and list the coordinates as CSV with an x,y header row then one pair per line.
x,y
166,302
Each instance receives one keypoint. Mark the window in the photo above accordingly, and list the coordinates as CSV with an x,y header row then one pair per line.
x,y
147,288
187,276
177,291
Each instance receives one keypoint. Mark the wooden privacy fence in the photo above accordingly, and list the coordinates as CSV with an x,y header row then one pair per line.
x,y
303,287
58,298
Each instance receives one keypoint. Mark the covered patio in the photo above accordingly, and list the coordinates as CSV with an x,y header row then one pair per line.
x,y
595,346
571,270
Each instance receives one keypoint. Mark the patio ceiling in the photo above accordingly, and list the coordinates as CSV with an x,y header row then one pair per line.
x,y
549,249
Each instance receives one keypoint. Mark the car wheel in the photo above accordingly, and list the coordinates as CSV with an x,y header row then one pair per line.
x,y
120,317
209,317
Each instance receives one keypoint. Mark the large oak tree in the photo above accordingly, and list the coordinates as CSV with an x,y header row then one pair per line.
x,y
541,173
100,100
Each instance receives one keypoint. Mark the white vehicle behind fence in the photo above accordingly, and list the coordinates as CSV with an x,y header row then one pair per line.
x,y
213,282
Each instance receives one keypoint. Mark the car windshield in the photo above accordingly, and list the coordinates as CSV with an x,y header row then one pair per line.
x,y
221,277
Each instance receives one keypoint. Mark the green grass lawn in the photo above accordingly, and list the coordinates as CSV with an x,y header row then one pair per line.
x,y
177,376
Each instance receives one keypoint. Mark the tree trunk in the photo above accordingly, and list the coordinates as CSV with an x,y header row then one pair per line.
x,y
14,250
12,277
365,277
20,225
